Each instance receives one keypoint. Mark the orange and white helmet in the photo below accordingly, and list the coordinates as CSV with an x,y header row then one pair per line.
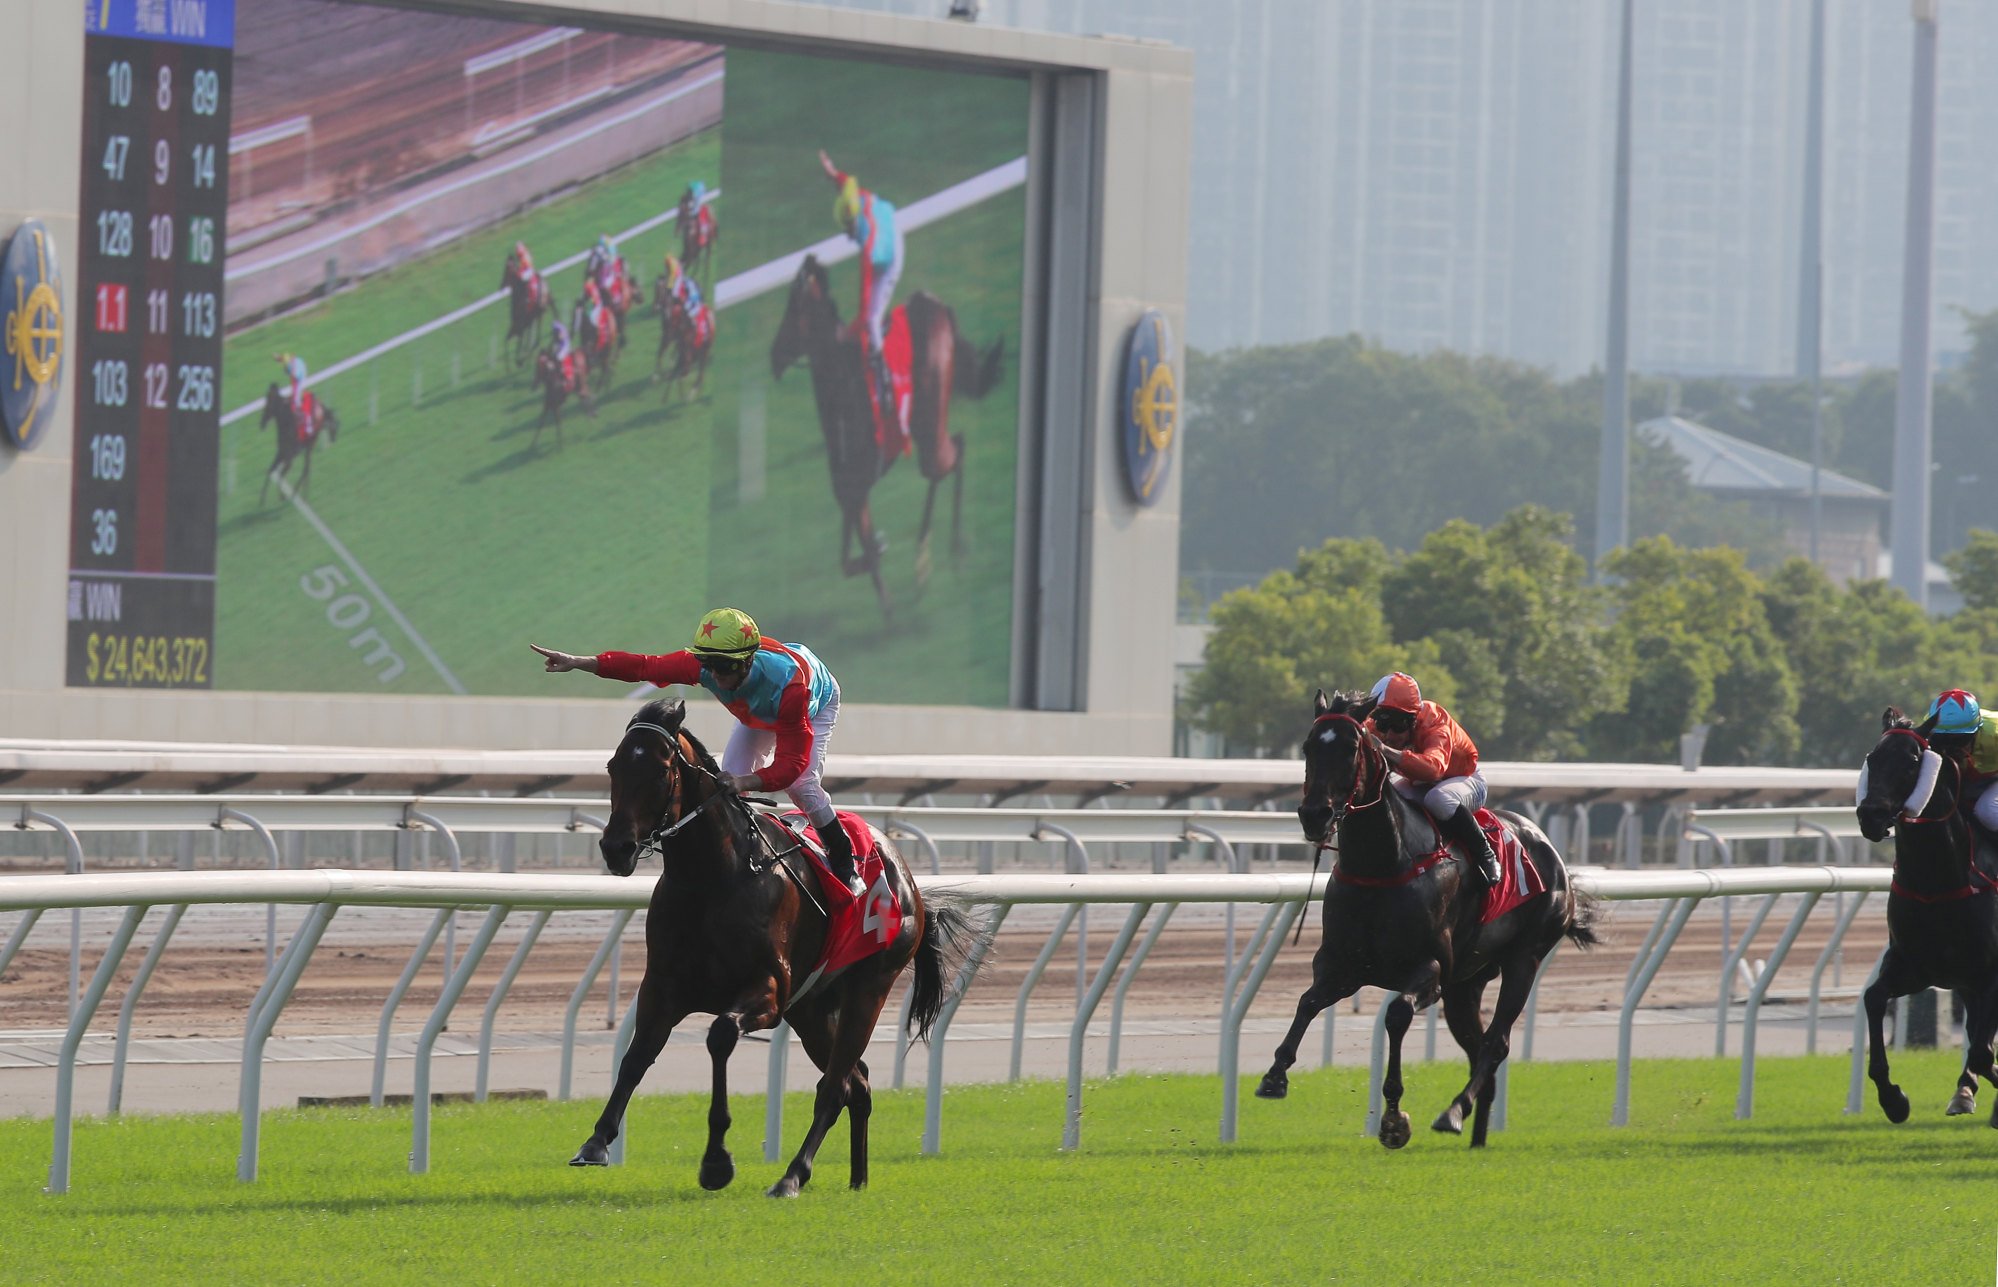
x,y
1398,692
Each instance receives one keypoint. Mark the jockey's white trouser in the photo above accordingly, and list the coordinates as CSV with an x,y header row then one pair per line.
x,y
1986,806
881,298
749,749
1444,798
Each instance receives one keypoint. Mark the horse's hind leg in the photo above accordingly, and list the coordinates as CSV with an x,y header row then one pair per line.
x,y
1889,985
1515,988
717,1167
859,1108
923,536
957,503
1461,1012
655,1024
850,1025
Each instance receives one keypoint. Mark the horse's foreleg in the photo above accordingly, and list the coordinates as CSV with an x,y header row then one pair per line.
x,y
957,503
923,536
1323,992
717,1167
1883,989
655,1024
1394,1122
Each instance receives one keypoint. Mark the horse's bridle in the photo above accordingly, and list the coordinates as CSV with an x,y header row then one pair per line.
x,y
1346,806
654,841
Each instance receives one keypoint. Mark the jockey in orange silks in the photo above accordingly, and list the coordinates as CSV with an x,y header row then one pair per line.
x,y
1436,763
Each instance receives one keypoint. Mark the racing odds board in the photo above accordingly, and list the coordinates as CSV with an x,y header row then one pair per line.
x,y
141,604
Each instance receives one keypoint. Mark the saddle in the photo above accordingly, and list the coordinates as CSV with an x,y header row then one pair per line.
x,y
857,928
308,417
1519,879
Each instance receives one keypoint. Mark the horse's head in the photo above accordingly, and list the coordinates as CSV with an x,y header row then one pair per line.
x,y
649,788
1899,777
809,306
275,404
1337,762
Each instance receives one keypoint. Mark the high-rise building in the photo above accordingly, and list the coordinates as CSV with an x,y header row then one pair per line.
x,y
1435,173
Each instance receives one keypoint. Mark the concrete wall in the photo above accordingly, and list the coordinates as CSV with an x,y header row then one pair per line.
x,y
1133,568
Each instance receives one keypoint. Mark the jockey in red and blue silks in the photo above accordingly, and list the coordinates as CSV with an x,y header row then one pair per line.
x,y
869,219
784,700
680,284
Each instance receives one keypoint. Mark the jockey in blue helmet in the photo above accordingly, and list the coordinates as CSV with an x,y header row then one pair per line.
x,y
1968,732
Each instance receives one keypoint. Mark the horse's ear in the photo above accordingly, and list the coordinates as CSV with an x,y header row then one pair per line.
x,y
1892,718
1319,703
673,713
1362,708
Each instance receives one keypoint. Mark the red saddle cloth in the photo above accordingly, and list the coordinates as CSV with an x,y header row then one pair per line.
x,y
308,416
860,927
1519,879
896,352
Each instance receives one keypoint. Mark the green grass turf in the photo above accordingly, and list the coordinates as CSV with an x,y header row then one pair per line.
x,y
1684,1195
907,133
482,541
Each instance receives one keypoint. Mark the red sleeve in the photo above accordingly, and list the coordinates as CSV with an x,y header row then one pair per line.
x,y
794,739
1428,753
674,668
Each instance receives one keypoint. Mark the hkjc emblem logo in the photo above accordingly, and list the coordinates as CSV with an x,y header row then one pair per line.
x,y
1150,408
31,320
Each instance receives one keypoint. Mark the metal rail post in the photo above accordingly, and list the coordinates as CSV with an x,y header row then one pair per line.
x,y
264,1013
444,833
1833,946
74,867
1255,945
1532,1010
500,989
1033,977
933,1094
419,1150
1744,1102
773,1092
1645,969
1377,1066
898,828
277,864
1124,984
1077,864
619,920
79,1018
902,1033
18,937
577,821
1231,1028
139,982
1731,963
389,1007
1224,853
1071,1133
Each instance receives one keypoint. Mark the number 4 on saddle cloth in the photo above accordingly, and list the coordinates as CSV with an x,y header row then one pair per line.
x,y
1519,879
896,354
308,417
859,927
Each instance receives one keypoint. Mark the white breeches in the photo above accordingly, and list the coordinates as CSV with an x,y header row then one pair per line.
x,y
749,749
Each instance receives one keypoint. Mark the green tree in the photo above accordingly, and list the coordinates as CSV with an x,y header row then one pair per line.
x,y
1698,647
1974,570
1510,606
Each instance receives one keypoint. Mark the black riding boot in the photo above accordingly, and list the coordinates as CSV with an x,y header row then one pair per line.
x,y
839,854
1462,827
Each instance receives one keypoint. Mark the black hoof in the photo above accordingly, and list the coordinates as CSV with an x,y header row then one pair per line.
x,y
1274,1086
593,1153
1451,1122
1394,1129
1961,1104
1894,1104
784,1188
717,1170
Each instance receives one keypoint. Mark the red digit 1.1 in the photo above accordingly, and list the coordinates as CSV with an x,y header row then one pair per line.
x,y
112,301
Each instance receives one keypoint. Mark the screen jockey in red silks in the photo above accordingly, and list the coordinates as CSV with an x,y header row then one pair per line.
x,y
784,699
870,220
301,407
1436,763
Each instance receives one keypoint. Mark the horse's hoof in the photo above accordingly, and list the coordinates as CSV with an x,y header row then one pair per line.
x,y
1275,1086
1394,1129
1894,1104
717,1170
784,1188
591,1154
1961,1104
1451,1122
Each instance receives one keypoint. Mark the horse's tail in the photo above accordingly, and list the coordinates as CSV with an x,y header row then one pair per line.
x,y
976,373
1584,914
948,935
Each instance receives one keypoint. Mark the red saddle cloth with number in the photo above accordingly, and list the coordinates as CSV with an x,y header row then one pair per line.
x,y
896,353
308,417
860,926
1519,878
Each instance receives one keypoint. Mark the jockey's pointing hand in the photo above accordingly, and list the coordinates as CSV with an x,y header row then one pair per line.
x,y
557,662
832,171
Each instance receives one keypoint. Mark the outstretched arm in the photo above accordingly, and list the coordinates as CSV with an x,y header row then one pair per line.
x,y
833,172
557,662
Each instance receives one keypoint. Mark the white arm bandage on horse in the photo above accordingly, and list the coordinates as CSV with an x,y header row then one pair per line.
x,y
1925,785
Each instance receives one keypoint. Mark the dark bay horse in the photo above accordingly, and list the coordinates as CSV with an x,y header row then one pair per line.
x,y
1399,917
555,390
291,444
1942,917
945,363
529,299
731,931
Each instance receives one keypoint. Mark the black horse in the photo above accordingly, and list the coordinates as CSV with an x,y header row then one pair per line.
x,y
1942,921
735,928
291,443
1400,917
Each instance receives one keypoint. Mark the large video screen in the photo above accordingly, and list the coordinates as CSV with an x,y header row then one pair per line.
x,y
563,335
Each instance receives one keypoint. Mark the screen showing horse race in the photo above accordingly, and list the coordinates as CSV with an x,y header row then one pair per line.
x,y
551,334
